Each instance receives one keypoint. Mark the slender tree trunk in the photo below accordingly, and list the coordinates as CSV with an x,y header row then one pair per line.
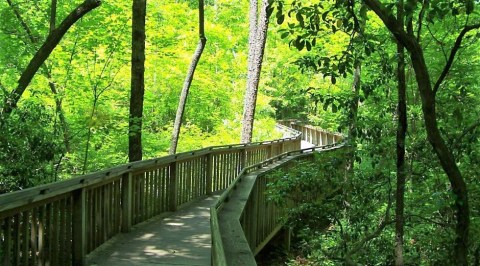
x,y
189,78
44,52
445,156
401,134
356,85
352,125
257,40
138,80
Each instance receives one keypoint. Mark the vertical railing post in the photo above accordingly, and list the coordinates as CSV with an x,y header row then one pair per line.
x,y
127,201
209,174
270,150
172,186
79,241
243,158
324,138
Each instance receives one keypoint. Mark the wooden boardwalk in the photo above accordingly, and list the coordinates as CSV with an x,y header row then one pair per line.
x,y
180,239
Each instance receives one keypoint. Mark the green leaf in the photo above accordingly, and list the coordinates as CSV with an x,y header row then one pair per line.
x,y
308,45
300,19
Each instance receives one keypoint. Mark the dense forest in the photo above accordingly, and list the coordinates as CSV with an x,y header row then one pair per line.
x,y
398,78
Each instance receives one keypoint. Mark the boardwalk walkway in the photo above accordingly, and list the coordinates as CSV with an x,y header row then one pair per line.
x,y
180,239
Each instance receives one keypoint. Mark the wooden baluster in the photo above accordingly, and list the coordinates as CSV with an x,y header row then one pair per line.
x,y
7,241
55,230
17,240
79,227
25,237
172,187
127,201
209,176
243,159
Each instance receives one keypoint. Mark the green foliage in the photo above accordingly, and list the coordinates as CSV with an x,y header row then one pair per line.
x,y
27,148
310,190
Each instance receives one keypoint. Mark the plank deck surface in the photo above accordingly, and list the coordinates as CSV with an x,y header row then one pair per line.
x,y
180,239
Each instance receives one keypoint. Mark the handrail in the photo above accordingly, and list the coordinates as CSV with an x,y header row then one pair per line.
x,y
59,223
219,256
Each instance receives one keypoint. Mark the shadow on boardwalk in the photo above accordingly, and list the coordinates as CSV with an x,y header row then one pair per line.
x,y
183,238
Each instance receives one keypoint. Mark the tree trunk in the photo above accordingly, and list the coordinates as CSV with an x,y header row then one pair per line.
x,y
44,52
352,125
189,78
445,156
257,40
401,134
137,80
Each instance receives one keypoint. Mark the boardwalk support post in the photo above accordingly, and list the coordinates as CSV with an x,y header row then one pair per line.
x,y
79,228
127,196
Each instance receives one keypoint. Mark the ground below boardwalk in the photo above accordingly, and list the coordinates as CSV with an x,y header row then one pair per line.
x,y
180,239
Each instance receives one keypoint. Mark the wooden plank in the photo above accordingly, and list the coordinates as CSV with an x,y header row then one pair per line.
x,y
25,237
41,236
98,217
127,204
48,234
218,253
172,192
7,241
69,229
55,231
146,196
79,227
17,235
33,236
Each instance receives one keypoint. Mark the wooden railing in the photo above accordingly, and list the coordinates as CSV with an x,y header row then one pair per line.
x,y
312,134
60,223
243,221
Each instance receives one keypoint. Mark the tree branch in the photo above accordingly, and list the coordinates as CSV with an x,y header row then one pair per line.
x,y
421,15
453,53
44,52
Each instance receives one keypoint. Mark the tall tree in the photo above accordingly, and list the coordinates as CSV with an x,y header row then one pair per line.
x,y
256,47
428,96
137,92
52,40
188,79
401,133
